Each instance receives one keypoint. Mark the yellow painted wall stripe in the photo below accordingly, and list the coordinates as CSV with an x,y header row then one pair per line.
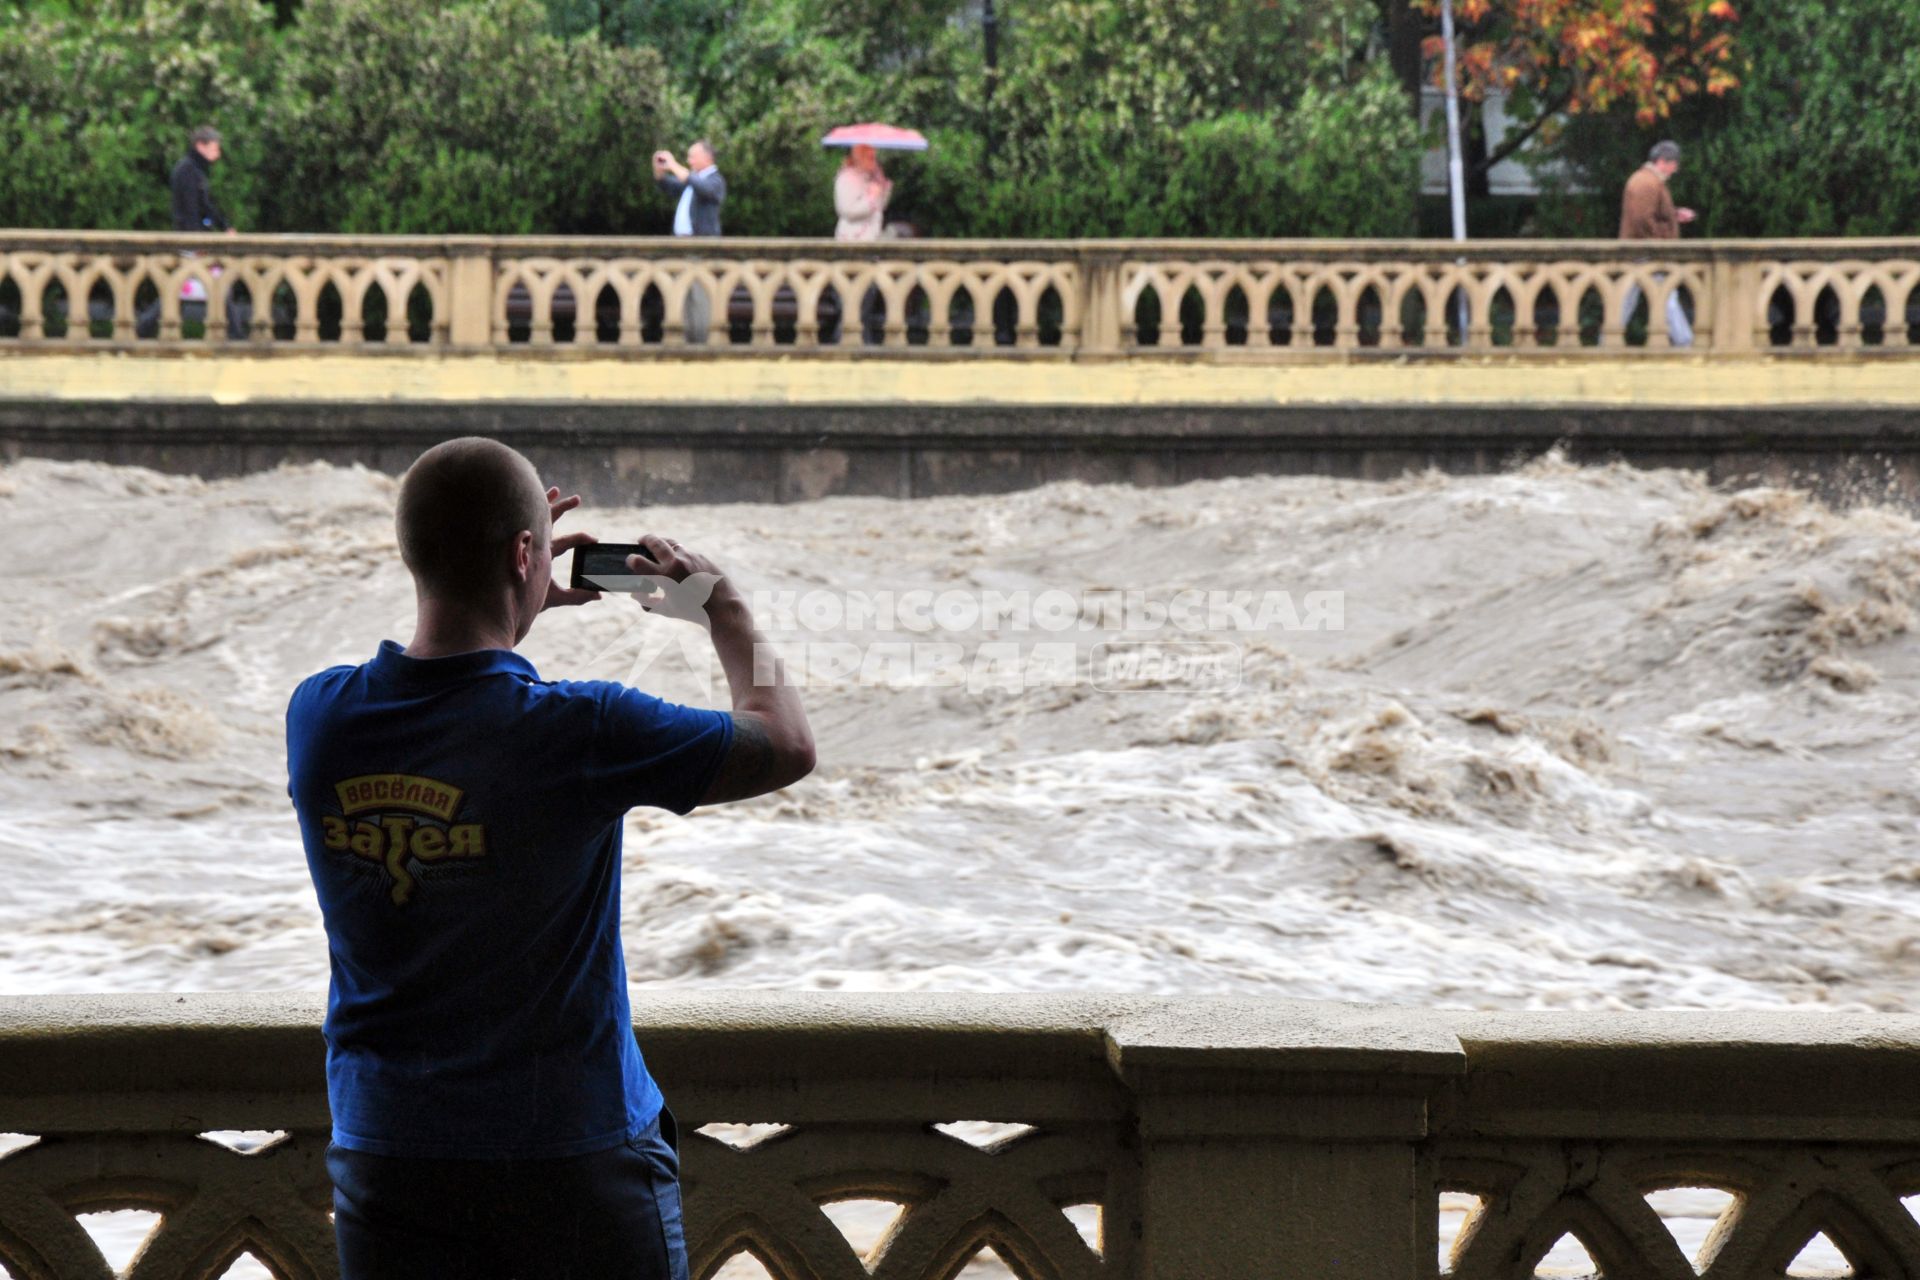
x,y
1532,380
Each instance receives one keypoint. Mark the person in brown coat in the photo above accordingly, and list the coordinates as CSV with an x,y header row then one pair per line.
x,y
1647,212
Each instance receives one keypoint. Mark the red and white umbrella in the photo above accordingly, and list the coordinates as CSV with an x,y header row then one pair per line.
x,y
881,137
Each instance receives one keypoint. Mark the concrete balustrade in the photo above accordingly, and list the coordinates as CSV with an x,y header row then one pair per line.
x,y
1206,1138
938,299
664,370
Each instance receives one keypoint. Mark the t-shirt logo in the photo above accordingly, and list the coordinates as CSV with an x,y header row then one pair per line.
x,y
408,819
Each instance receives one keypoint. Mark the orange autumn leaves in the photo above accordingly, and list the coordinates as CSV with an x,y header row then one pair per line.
x,y
1642,56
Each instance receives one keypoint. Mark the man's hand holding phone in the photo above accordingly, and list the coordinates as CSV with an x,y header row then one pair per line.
x,y
665,577
660,574
558,595
772,742
680,583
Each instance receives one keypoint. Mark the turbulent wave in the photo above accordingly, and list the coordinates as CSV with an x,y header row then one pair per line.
x,y
1589,737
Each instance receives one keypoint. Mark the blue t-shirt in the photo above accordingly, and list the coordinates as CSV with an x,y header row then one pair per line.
x,y
462,824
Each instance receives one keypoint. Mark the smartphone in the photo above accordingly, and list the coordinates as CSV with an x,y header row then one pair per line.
x,y
602,566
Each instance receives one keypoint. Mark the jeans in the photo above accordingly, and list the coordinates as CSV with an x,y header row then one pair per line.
x,y
146,323
606,1215
1679,330
873,318
698,314
193,309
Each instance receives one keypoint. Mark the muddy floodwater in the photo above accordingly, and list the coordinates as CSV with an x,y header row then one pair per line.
x,y
1581,738
1567,737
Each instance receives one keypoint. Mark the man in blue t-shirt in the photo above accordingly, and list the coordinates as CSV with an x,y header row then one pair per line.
x,y
492,1115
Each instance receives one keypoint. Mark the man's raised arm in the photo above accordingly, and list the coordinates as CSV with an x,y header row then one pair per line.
x,y
772,743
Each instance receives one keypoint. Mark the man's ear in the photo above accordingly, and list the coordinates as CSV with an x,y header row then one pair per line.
x,y
523,555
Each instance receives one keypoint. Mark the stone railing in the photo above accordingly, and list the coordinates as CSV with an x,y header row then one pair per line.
x,y
832,1137
1276,300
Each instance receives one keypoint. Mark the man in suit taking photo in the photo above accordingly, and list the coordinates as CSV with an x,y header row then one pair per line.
x,y
699,191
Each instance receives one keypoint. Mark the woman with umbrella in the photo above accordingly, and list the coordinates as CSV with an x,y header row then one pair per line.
x,y
861,189
860,192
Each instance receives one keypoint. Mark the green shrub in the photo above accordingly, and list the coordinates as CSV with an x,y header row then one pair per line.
x,y
1822,138
1112,117
99,106
1189,117
1340,163
770,88
397,116
1353,161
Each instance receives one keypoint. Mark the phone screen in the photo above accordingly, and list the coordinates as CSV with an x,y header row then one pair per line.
x,y
602,566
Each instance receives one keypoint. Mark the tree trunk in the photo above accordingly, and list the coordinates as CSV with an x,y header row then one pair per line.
x,y
1474,145
1404,31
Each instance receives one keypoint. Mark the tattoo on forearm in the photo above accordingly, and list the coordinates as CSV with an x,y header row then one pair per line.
x,y
749,763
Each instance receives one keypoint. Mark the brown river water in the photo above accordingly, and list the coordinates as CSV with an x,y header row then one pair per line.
x,y
1571,738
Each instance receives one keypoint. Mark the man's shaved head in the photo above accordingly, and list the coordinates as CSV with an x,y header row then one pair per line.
x,y
462,505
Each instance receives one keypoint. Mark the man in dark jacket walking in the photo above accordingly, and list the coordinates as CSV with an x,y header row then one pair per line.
x,y
193,206
194,210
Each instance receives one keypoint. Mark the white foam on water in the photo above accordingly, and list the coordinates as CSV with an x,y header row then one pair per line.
x,y
1591,737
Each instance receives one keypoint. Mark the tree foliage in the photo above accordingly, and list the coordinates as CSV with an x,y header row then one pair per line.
x,y
1108,117
478,119
1558,58
1825,139
99,100
361,115
1821,139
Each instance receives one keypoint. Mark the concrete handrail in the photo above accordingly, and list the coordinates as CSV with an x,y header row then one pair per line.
x,y
1829,248
1069,299
1219,1137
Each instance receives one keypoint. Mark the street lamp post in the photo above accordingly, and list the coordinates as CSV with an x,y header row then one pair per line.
x,y
990,37
1456,167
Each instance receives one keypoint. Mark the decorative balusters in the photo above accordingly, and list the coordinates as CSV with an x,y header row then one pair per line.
x,y
1119,1137
178,297
1396,306
214,1204
1808,304
808,303
773,1201
1607,1196
1277,301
